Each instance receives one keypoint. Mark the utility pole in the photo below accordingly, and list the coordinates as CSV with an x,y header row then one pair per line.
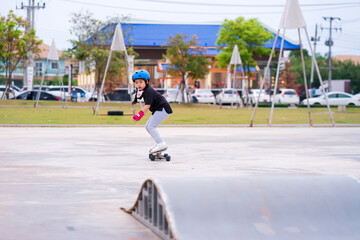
x,y
29,64
330,43
313,39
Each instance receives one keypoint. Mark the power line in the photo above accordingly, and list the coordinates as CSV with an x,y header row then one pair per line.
x,y
200,13
352,20
348,48
347,40
243,5
29,64
330,43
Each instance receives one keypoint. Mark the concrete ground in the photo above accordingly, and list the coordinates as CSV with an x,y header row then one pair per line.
x,y
69,183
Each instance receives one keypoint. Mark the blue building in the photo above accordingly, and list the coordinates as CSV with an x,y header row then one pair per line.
x,y
150,41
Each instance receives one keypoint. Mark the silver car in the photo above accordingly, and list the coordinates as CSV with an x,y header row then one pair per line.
x,y
203,96
286,96
228,96
172,95
334,98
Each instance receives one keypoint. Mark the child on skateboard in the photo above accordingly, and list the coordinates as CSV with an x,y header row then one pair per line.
x,y
154,102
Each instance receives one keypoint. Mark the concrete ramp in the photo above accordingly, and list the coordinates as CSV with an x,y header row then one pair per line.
x,y
257,207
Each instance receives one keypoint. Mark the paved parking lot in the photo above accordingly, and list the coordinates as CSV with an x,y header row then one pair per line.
x,y
69,183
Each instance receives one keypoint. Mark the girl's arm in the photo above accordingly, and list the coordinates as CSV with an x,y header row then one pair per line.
x,y
138,116
146,108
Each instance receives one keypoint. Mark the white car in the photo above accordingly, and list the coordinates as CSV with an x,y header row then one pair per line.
x,y
203,96
172,95
286,96
334,98
13,90
254,94
82,94
228,96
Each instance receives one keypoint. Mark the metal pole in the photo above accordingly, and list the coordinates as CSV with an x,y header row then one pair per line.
x,y
102,85
33,15
41,83
244,86
233,85
320,79
70,78
243,90
305,79
62,90
265,75
277,78
312,63
330,62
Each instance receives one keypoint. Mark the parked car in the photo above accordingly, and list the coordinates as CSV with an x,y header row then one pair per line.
x,y
13,90
34,87
31,95
302,95
203,96
171,93
286,96
82,95
254,94
228,96
334,98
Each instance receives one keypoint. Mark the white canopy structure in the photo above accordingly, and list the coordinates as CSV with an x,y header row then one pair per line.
x,y
292,18
117,44
235,60
52,56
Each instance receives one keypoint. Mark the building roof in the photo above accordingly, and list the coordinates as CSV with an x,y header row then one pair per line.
x,y
342,58
44,51
164,66
157,35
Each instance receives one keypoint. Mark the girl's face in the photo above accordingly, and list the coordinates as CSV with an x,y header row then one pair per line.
x,y
140,84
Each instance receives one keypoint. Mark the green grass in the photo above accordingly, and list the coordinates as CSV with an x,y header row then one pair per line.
x,y
22,112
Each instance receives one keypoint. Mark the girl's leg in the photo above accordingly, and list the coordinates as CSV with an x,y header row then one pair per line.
x,y
153,122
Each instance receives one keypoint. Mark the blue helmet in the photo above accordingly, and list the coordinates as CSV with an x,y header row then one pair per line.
x,y
141,74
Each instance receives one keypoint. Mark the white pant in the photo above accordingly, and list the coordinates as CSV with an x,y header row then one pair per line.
x,y
154,121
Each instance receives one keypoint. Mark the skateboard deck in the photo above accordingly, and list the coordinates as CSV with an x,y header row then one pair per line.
x,y
159,156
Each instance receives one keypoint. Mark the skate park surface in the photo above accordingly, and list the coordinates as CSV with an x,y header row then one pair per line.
x,y
70,183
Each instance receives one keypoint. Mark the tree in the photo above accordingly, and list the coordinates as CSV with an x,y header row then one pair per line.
x,y
248,35
92,45
289,79
15,44
342,70
186,59
347,70
295,67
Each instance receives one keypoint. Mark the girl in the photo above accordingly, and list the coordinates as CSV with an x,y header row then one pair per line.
x,y
154,102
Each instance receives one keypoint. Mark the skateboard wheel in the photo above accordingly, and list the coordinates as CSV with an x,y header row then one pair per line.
x,y
167,157
152,157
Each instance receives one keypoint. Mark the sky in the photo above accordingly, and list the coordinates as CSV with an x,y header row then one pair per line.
x,y
52,22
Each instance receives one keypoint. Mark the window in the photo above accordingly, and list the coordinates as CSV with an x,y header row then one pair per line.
x,y
54,89
343,96
39,68
290,93
54,65
332,95
230,92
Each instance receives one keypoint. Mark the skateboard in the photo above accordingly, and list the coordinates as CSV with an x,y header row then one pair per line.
x,y
159,156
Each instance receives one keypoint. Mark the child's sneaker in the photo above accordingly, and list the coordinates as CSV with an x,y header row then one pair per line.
x,y
152,148
159,147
